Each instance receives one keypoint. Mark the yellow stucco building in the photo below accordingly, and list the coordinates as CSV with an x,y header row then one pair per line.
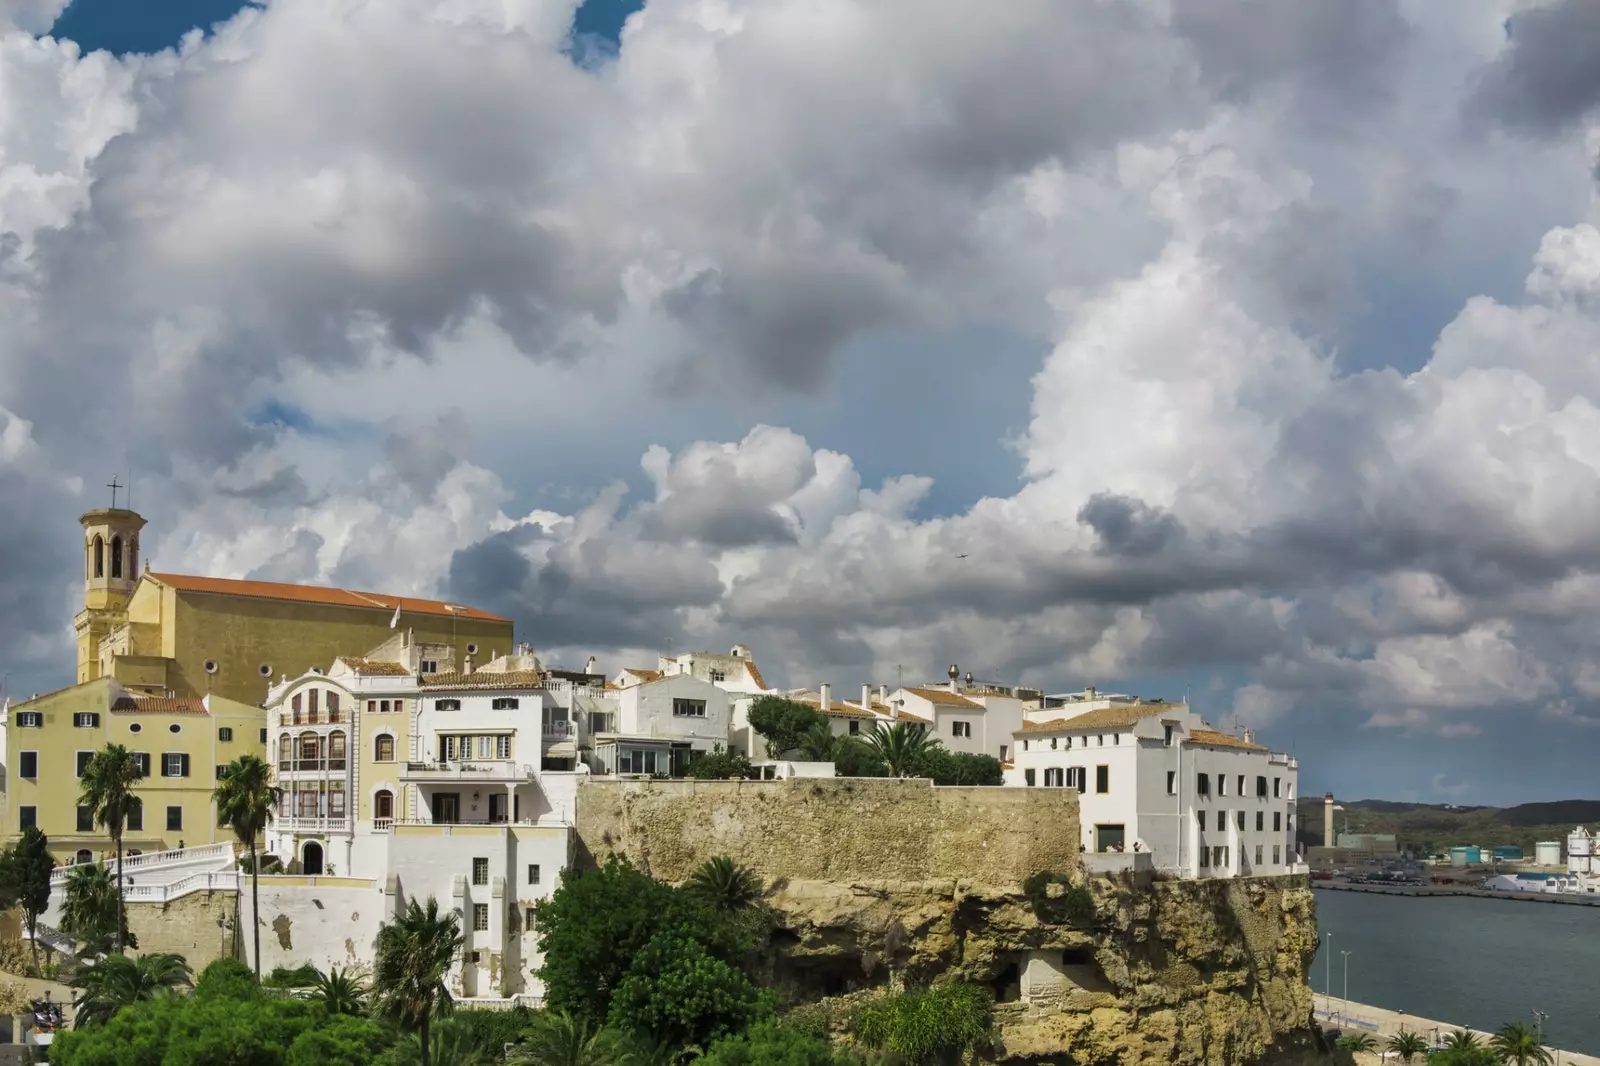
x,y
177,667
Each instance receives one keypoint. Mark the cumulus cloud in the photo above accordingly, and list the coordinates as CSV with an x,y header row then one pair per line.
x,y
305,274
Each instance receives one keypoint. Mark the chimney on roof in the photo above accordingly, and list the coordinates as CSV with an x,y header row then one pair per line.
x,y
1249,736
954,674
866,697
466,666
827,695
883,693
588,667
1089,693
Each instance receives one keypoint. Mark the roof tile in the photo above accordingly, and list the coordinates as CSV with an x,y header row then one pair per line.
x,y
154,705
1103,718
945,696
483,679
321,594
1222,740
375,668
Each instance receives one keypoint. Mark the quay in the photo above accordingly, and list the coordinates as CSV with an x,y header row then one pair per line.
x,y
1457,890
1351,1017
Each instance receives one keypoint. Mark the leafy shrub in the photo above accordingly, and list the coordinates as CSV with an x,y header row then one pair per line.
x,y
775,1044
681,994
1075,904
948,767
343,1041
304,976
227,979
720,765
937,1024
1475,1055
491,1030
13,956
854,757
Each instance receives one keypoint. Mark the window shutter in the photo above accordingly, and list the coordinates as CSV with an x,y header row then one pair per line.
x,y
183,767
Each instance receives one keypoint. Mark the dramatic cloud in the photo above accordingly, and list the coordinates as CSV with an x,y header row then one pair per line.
x,y
398,295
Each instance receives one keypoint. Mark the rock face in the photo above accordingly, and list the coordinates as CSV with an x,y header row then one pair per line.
x,y
1197,972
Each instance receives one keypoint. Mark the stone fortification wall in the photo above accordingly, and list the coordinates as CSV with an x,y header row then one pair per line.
x,y
836,829
201,927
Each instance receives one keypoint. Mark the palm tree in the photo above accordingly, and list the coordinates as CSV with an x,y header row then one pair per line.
x,y
414,954
818,744
89,906
1517,1045
246,802
564,1040
1462,1040
1407,1045
117,981
341,992
1358,1042
726,884
107,790
900,745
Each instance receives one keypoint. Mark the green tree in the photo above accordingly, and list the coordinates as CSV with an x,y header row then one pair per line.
x,y
414,954
775,1044
1358,1042
246,802
901,746
343,1040
116,981
589,930
945,767
1475,1055
680,994
782,722
1462,1038
28,867
107,790
1516,1045
1407,1045
561,1038
341,992
856,758
725,884
818,743
720,765
934,1025
227,979
89,907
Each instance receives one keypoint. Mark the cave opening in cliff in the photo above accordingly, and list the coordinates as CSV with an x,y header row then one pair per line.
x,y
835,975
1007,984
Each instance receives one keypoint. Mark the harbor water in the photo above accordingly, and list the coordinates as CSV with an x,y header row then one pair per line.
x,y
1476,962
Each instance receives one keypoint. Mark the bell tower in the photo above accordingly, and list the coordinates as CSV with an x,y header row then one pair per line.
x,y
110,573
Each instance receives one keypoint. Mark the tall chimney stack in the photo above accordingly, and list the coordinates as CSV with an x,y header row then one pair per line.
x,y
866,697
1327,821
827,695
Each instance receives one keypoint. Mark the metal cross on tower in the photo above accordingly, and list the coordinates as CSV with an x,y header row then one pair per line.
x,y
114,485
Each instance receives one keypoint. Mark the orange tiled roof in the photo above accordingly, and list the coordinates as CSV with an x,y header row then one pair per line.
x,y
374,668
755,675
945,696
1222,740
484,680
153,705
321,594
1104,718
648,675
907,716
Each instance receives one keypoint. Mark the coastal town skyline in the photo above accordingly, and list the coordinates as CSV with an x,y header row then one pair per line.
x,y
1238,356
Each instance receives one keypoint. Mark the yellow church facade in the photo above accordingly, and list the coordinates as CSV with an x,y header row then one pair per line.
x,y
177,667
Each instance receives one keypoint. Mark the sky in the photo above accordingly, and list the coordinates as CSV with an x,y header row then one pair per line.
x,y
1223,347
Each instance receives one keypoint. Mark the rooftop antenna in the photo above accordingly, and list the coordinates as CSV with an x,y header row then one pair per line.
x,y
899,676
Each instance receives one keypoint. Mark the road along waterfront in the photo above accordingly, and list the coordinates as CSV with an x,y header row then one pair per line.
x,y
1479,963
1365,1018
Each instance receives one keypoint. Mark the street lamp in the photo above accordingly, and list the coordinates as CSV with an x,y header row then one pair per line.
x,y
1327,975
1344,1009
1539,1018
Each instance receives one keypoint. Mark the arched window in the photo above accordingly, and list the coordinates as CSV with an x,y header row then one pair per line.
x,y
133,557
116,556
333,706
84,857
308,748
336,751
283,752
294,704
99,556
383,749
383,804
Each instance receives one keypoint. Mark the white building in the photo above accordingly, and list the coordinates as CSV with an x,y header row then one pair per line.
x,y
663,724
962,716
1154,777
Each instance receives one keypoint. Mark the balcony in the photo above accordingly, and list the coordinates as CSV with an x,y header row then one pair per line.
x,y
290,718
559,729
480,771
312,766
1279,759
313,824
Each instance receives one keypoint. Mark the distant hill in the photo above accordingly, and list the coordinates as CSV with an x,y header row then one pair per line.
x,y
1435,826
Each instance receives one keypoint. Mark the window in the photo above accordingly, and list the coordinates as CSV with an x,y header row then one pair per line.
x,y
1100,740
1261,787
308,748
84,758
174,728
383,749
85,819
1277,854
383,804
1219,856
1102,779
1054,777
1277,821
1053,742
86,720
1027,776
116,556
688,708
533,873
263,736
505,703
1258,854
222,770
1172,782
442,705
486,747
1277,787
855,728
1205,858
1222,784
1222,820
333,706
99,557
1202,784
1004,749
1078,778
480,917
174,818
141,762
225,734
311,703
480,871
174,764
502,747
372,706
1166,736
28,765
961,729
135,816
134,727
430,666
294,706
641,761
30,719
1241,784
1200,819
527,920
1239,818
27,817
1261,821
719,675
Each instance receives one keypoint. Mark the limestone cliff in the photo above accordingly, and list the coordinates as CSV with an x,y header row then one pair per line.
x,y
1209,972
